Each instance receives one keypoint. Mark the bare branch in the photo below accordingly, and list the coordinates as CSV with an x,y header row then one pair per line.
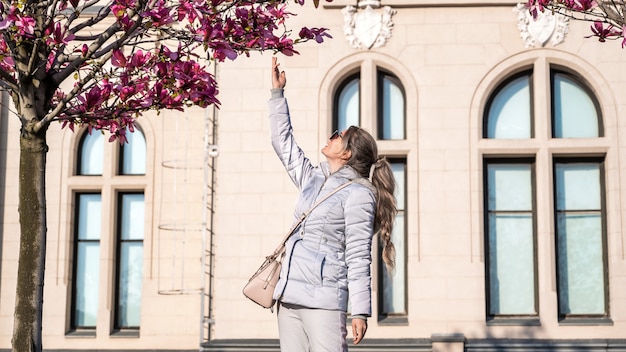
x,y
78,62
52,8
44,4
97,44
46,120
101,15
33,58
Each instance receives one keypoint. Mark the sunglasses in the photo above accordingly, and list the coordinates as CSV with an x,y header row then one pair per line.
x,y
335,135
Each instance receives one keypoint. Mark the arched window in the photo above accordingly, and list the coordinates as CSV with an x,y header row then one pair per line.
x,y
391,105
126,212
90,153
373,98
347,101
509,110
566,108
133,154
574,110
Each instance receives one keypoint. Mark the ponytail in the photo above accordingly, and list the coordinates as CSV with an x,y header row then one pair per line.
x,y
382,178
365,161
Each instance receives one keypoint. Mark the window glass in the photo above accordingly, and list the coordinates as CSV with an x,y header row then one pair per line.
x,y
87,263
575,114
130,267
581,270
133,154
394,286
91,154
509,112
132,223
511,252
571,179
348,105
392,106
509,187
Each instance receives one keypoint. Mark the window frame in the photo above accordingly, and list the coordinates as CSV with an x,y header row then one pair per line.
x,y
544,148
79,155
381,75
107,185
529,72
120,156
395,318
510,319
577,319
117,265
557,69
73,327
345,81
367,73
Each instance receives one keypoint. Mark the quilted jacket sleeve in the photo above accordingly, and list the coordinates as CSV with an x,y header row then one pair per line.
x,y
359,221
296,163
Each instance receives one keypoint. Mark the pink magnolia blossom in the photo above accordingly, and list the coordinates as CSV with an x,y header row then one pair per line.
x,y
314,33
58,34
25,25
602,32
153,64
580,5
118,59
608,20
159,15
189,10
118,10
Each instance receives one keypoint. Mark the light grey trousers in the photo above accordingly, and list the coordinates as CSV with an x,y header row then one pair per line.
x,y
311,330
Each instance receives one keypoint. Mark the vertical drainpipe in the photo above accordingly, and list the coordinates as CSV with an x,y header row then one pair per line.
x,y
210,151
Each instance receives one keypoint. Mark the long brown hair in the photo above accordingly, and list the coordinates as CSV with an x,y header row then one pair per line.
x,y
365,161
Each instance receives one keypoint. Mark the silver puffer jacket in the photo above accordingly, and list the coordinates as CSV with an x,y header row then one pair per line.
x,y
330,253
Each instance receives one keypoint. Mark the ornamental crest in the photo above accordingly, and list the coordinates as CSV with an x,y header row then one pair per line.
x,y
368,28
537,32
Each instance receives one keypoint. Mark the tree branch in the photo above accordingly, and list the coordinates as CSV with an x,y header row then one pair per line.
x,y
97,44
44,3
612,13
102,14
79,61
46,120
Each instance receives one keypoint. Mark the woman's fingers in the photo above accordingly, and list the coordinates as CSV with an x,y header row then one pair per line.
x,y
279,79
359,327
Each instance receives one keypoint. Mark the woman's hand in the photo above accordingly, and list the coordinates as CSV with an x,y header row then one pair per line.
x,y
279,80
359,327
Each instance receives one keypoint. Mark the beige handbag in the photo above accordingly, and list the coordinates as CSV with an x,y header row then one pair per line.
x,y
260,287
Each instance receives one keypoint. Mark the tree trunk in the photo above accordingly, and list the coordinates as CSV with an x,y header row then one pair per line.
x,y
32,213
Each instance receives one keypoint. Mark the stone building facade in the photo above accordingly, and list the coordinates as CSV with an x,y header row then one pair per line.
x,y
506,137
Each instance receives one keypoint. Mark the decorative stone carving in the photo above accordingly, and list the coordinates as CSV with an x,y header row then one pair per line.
x,y
537,32
367,28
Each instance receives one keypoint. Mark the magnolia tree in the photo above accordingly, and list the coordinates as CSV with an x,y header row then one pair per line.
x,y
102,64
607,15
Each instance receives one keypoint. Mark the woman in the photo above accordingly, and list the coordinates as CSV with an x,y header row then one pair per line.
x,y
328,258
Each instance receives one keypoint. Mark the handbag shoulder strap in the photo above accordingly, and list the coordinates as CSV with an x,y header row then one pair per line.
x,y
323,199
304,215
